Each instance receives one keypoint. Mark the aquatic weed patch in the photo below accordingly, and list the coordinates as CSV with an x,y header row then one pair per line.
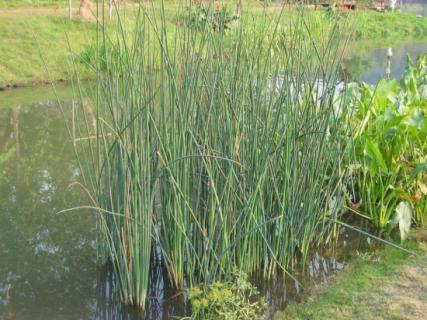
x,y
390,148
236,299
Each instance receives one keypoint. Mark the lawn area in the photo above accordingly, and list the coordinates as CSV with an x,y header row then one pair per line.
x,y
26,38
388,284
28,34
371,25
6,4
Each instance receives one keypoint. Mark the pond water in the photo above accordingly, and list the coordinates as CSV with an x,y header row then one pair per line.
x,y
40,252
48,266
382,62
48,263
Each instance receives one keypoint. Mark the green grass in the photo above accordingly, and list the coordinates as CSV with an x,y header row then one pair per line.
x,y
378,285
26,38
21,63
13,4
372,25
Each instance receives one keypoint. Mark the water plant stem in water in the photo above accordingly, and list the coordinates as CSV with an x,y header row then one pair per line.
x,y
212,146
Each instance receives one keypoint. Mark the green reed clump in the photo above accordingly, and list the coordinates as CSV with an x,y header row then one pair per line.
x,y
222,151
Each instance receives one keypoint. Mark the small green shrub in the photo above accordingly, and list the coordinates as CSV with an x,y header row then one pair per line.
x,y
213,14
106,57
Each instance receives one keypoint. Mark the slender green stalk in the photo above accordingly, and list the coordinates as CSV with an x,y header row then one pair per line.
x,y
223,148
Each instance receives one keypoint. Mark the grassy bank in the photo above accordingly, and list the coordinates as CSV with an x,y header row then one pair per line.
x,y
372,25
384,285
27,36
12,4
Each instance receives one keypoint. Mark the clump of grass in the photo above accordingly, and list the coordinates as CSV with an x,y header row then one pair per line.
x,y
214,147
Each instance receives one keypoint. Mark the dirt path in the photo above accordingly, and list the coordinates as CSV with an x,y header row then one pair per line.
x,y
41,11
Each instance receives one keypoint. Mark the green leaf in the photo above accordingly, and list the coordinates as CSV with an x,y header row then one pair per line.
x,y
423,92
387,88
417,119
412,90
375,158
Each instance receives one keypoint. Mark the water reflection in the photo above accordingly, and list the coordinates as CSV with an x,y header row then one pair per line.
x,y
163,302
381,63
321,264
48,266
46,260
